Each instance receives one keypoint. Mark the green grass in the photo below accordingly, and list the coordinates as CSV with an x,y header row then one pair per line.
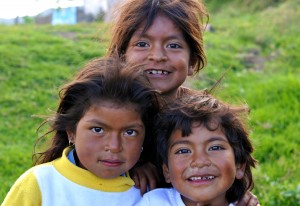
x,y
35,62
259,53
257,47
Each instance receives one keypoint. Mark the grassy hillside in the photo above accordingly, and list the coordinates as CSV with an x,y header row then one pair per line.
x,y
256,44
35,61
259,51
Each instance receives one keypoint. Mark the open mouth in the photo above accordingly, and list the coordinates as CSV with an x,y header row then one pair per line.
x,y
198,178
158,72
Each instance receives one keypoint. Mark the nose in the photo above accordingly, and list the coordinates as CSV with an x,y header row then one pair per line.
x,y
200,159
157,53
113,143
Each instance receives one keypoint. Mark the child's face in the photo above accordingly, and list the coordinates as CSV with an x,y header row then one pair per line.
x,y
201,166
165,53
108,139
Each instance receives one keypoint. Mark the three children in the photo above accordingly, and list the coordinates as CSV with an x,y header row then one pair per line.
x,y
167,37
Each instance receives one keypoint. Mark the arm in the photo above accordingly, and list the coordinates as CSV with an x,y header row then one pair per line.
x,y
145,177
24,192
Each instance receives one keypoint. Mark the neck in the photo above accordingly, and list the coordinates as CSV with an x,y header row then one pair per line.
x,y
170,97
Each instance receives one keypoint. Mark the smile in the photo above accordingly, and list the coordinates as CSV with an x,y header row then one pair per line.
x,y
201,178
160,72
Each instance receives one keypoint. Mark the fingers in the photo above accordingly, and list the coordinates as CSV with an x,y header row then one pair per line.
x,y
143,183
152,180
248,199
136,180
152,176
253,201
145,177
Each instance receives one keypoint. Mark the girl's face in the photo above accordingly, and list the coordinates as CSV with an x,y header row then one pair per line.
x,y
201,166
109,139
164,51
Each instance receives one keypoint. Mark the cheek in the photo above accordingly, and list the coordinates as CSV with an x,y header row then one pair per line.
x,y
227,165
133,57
177,167
184,67
88,142
134,149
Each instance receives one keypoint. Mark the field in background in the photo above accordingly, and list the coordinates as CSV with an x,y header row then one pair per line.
x,y
256,43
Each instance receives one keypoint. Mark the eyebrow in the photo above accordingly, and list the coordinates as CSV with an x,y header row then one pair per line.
x,y
218,139
140,33
212,139
134,124
180,142
168,37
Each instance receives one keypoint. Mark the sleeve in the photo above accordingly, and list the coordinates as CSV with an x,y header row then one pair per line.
x,y
144,201
25,191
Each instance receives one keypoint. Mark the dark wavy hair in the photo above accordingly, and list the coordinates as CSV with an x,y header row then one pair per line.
x,y
213,114
188,15
103,79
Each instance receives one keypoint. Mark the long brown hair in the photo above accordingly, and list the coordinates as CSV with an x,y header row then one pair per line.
x,y
104,79
188,15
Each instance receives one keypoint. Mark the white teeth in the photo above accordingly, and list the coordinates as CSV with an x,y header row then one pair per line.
x,y
157,72
202,178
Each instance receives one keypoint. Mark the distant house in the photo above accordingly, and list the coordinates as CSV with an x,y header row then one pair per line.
x,y
70,11
69,15
88,11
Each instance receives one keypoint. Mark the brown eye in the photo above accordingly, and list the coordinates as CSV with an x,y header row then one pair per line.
x,y
183,151
142,44
130,132
97,129
174,46
216,148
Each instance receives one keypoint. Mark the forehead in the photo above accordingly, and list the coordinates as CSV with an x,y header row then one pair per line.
x,y
198,131
114,104
161,21
114,115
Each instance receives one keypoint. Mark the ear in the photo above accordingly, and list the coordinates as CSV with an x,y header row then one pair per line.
x,y
190,70
192,65
71,136
166,173
240,171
